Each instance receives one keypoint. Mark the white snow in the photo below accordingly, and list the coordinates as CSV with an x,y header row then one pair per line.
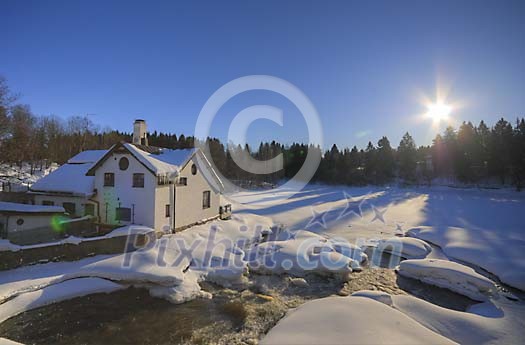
x,y
500,251
160,266
483,228
69,178
495,322
166,161
406,247
4,341
55,293
306,252
349,320
27,208
88,156
20,178
449,275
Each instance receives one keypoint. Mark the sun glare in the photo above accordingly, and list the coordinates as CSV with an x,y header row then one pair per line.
x,y
439,111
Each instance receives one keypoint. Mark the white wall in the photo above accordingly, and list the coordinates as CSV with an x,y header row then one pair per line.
x,y
142,200
188,199
31,221
80,202
163,195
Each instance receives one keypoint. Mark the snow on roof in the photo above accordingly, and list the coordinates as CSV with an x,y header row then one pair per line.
x,y
164,161
69,178
89,156
25,208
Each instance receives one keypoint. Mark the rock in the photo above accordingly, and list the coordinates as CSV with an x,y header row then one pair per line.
x,y
299,282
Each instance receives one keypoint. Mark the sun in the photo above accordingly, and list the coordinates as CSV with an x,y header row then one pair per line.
x,y
438,111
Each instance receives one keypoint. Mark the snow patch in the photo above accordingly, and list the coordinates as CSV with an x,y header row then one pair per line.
x,y
349,320
484,323
449,275
306,252
55,293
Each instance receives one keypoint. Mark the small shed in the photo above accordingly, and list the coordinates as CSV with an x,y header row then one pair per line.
x,y
23,223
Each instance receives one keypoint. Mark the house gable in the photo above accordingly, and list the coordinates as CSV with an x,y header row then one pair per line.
x,y
119,148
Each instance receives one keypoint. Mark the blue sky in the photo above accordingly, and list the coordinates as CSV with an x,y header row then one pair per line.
x,y
364,64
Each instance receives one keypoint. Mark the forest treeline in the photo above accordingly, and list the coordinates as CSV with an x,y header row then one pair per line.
x,y
469,154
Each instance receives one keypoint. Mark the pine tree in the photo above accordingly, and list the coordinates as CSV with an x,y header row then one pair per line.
x,y
500,149
407,158
518,154
384,161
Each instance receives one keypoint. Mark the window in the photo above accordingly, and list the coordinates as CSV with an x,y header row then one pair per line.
x,y
123,163
70,207
163,180
194,169
138,180
89,210
167,211
183,181
19,222
123,213
206,199
48,203
109,180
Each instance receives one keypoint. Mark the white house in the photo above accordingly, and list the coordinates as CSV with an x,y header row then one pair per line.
x,y
69,187
133,183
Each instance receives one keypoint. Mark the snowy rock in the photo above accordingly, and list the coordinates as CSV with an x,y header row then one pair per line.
x,y
55,293
499,250
305,252
406,247
449,275
349,320
484,323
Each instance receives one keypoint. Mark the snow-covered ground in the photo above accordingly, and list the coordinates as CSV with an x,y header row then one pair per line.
x,y
372,317
326,229
485,228
20,178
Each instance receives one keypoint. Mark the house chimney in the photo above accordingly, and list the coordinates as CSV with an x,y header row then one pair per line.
x,y
140,133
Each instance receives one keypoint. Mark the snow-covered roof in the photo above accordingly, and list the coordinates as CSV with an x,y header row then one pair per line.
x,y
12,207
69,178
162,161
89,156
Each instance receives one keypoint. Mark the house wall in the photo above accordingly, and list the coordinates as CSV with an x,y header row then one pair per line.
x,y
36,226
188,199
140,200
31,221
80,202
163,195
